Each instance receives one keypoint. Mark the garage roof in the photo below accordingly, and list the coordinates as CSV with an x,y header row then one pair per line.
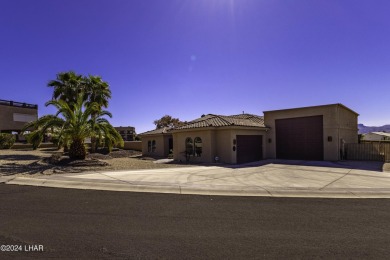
x,y
300,108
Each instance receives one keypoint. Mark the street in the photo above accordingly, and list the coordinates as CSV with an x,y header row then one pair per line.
x,y
107,224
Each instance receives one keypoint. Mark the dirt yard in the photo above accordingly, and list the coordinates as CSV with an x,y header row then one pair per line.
x,y
52,161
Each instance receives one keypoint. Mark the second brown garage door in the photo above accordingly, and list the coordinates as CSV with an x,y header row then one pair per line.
x,y
249,148
300,138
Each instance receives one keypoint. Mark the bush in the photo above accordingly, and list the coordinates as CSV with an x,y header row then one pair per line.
x,y
6,140
55,140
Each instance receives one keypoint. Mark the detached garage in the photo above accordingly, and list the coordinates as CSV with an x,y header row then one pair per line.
x,y
310,133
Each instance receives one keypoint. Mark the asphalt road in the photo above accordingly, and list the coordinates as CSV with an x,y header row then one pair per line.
x,y
103,224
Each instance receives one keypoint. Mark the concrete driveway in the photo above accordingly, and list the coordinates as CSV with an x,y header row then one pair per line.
x,y
275,178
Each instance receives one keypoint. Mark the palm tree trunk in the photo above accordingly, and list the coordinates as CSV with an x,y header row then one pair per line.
x,y
93,138
77,150
93,144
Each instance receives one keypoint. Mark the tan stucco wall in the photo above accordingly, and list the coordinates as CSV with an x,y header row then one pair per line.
x,y
348,126
133,145
162,145
338,122
7,117
224,146
215,141
207,148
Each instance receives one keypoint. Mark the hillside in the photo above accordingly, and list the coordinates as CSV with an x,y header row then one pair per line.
x,y
367,129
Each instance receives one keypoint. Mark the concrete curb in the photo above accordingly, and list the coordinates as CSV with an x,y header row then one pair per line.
x,y
92,185
5,179
201,190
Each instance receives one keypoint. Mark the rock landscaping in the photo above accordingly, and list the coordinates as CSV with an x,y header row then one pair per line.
x,y
53,161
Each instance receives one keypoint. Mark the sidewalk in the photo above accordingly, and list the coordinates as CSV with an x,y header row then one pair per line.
x,y
265,178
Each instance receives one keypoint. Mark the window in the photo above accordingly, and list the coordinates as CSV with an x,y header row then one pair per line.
x,y
149,146
189,146
198,146
24,117
193,147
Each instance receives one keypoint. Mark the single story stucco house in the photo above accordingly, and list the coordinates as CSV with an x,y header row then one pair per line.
x,y
306,133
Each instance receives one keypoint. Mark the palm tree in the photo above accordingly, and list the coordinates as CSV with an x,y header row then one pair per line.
x,y
97,91
74,123
40,126
67,86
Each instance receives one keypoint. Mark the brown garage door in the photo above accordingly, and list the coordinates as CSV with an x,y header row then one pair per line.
x,y
300,138
249,148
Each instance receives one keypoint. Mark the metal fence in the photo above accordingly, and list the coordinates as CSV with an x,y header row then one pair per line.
x,y
373,151
17,104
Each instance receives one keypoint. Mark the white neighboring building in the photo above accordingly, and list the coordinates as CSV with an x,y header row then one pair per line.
x,y
377,136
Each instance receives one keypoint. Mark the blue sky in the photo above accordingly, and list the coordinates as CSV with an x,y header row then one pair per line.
x,y
188,58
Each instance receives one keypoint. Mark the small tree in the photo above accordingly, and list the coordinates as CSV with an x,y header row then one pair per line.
x,y
167,121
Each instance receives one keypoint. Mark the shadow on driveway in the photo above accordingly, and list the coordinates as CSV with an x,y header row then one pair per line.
x,y
357,165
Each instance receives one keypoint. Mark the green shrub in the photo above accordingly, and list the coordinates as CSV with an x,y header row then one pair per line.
x,y
6,140
55,140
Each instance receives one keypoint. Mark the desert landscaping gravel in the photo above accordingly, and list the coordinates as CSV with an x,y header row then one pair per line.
x,y
38,162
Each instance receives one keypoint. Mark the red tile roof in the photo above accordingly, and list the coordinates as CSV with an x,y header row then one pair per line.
x,y
211,120
163,130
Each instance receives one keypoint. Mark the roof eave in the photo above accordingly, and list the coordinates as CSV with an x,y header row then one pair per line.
x,y
265,128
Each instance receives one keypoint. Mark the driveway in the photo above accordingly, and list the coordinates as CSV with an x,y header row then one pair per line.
x,y
274,178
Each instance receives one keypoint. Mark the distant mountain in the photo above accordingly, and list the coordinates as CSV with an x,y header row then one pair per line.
x,y
368,129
